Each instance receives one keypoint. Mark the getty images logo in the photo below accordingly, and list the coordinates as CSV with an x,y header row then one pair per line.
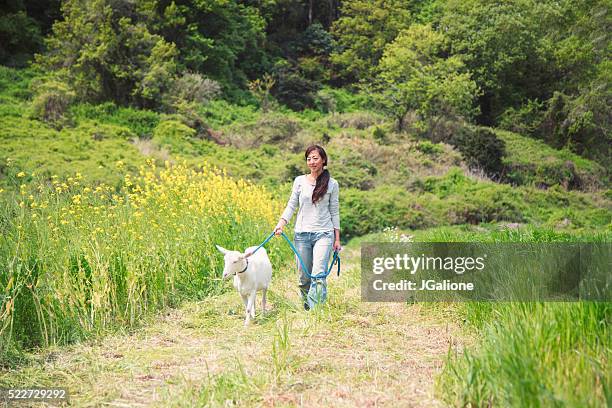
x,y
413,264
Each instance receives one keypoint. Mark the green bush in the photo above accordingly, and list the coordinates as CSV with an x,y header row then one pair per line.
x,y
481,148
140,121
191,87
532,162
51,102
113,56
172,132
342,100
380,135
525,120
427,147
371,211
271,128
15,83
351,169
292,89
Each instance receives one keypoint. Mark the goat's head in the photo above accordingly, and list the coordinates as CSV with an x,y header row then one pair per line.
x,y
234,261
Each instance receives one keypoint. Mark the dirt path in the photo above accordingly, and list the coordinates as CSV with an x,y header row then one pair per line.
x,y
347,354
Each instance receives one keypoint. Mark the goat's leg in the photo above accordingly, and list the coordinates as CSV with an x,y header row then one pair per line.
x,y
247,317
252,301
249,307
263,301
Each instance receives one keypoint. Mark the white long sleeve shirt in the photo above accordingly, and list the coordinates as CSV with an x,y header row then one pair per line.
x,y
322,216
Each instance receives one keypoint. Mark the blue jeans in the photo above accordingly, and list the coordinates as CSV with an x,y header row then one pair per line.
x,y
314,248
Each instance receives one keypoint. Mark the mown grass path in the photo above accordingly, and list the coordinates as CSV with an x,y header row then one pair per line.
x,y
349,353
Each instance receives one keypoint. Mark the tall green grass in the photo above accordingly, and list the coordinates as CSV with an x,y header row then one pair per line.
x,y
530,354
78,260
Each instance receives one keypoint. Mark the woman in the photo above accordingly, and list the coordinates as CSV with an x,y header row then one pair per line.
x,y
317,226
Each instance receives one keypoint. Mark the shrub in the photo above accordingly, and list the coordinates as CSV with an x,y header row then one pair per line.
x,y
325,101
532,162
351,169
380,135
52,101
489,203
140,121
481,148
112,55
269,129
292,89
525,120
192,87
172,131
427,147
342,100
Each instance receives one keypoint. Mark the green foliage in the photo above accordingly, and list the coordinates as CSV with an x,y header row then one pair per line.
x,y
379,135
532,162
220,39
292,88
20,35
582,124
369,211
91,148
535,354
481,148
427,147
340,100
524,49
314,46
52,101
415,76
106,52
357,120
172,132
362,32
352,169
525,120
140,121
192,87
271,128
15,84
260,88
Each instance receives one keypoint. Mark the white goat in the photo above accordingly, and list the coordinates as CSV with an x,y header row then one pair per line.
x,y
251,273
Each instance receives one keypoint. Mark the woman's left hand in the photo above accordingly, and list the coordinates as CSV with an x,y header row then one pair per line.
x,y
337,246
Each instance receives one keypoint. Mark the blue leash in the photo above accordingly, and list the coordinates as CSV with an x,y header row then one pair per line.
x,y
322,275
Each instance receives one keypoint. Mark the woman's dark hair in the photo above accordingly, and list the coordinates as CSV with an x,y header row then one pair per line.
x,y
323,179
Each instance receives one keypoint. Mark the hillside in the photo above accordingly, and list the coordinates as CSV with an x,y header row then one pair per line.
x,y
388,178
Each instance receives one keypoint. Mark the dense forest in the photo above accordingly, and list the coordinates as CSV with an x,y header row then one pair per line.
x,y
539,68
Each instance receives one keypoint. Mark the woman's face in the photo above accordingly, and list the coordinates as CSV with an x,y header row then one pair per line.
x,y
315,161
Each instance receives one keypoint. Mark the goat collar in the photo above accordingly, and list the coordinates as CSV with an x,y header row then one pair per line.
x,y
245,268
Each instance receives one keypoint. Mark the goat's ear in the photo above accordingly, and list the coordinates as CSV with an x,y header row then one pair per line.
x,y
221,249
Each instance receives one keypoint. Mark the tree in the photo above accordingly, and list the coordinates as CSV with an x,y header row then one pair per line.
x,y
222,39
20,35
362,32
260,89
520,50
416,75
103,49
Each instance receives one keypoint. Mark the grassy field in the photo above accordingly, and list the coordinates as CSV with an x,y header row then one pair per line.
x,y
109,277
348,353
79,259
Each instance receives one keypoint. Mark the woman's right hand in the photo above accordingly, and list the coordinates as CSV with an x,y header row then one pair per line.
x,y
278,230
